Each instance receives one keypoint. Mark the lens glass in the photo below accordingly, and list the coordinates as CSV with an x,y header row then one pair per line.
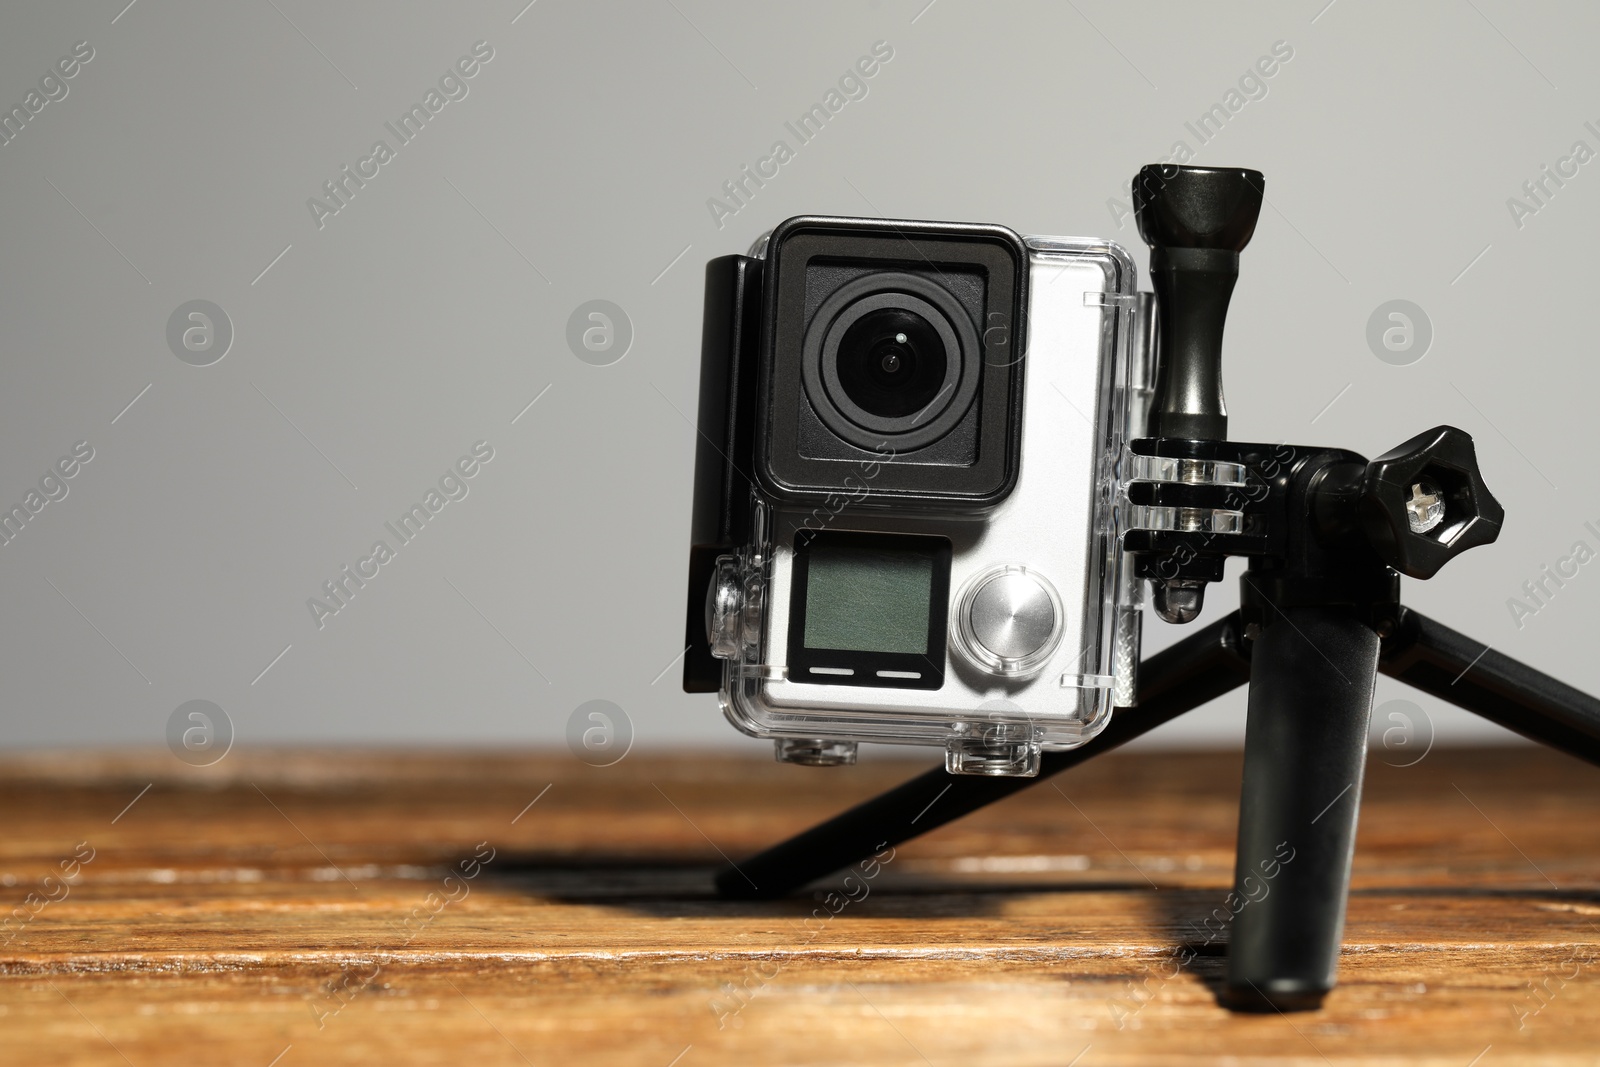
x,y
892,362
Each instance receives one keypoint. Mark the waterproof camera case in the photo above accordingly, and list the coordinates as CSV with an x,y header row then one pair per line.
x,y
907,490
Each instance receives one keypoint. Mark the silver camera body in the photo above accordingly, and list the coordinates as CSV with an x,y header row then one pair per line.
x,y
908,490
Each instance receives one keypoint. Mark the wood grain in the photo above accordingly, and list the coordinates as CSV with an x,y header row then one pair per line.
x,y
372,907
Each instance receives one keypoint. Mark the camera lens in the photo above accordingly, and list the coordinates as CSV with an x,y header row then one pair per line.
x,y
891,362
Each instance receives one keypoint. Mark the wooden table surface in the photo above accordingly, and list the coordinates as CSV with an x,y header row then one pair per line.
x,y
297,908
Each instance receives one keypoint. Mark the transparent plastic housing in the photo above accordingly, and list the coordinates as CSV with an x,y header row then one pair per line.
x,y
1085,388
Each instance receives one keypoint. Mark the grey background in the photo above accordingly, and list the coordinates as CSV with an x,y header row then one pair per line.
x,y
428,313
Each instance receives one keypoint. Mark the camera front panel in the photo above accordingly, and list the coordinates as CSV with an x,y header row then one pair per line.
x,y
994,628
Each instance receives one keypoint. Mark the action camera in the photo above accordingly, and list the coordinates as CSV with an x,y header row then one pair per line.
x,y
906,494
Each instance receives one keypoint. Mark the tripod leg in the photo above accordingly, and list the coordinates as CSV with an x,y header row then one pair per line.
x,y
1451,666
1173,681
1311,681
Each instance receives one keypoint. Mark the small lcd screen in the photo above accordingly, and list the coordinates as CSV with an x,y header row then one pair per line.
x,y
862,599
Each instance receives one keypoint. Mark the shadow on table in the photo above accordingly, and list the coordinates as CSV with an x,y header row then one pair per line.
x,y
1178,916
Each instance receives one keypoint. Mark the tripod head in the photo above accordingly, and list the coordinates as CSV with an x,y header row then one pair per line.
x,y
1412,509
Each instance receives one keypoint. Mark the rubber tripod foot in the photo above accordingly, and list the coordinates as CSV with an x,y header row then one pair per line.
x,y
1284,995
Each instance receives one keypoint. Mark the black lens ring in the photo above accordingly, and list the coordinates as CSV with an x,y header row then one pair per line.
x,y
846,306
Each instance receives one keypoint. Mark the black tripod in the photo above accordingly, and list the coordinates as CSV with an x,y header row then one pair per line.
x,y
1326,533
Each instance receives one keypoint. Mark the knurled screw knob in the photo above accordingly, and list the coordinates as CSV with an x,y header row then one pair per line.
x,y
1425,502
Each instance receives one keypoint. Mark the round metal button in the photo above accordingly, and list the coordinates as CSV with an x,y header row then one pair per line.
x,y
1012,616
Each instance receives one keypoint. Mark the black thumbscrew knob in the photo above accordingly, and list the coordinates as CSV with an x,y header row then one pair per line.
x,y
1196,221
1425,502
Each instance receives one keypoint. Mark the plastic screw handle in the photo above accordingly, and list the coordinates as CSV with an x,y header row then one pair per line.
x,y
1196,221
1424,502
